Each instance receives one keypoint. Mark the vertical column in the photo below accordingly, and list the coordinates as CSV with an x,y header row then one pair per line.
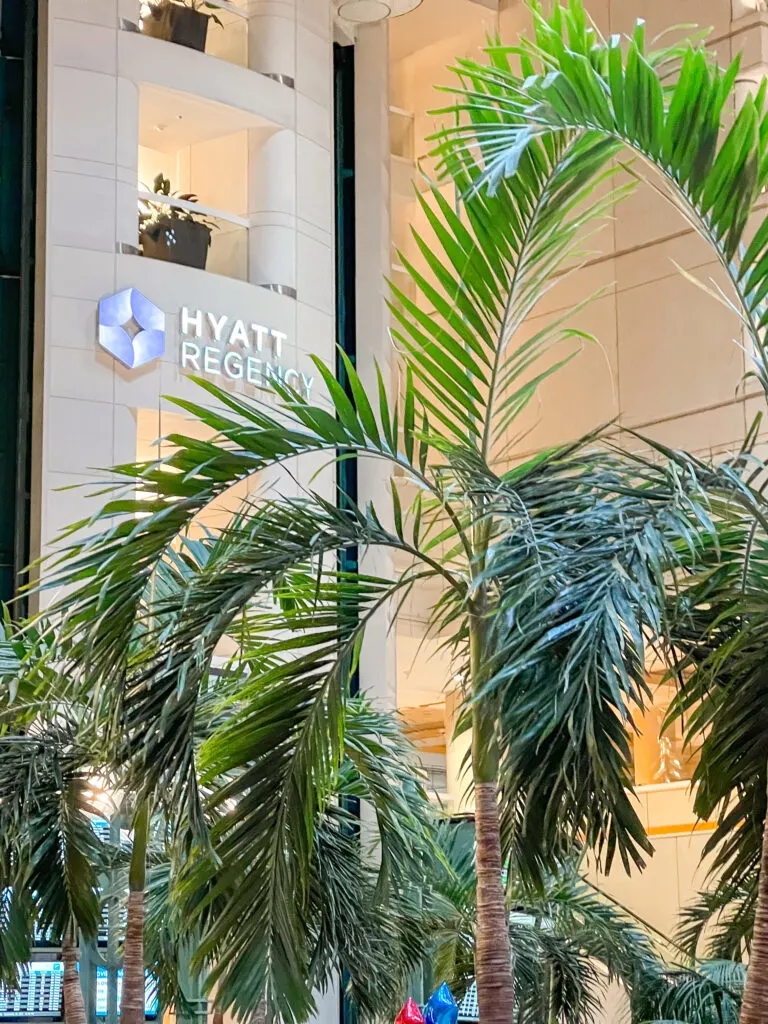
x,y
378,667
315,205
272,154
271,38
272,208
88,165
126,163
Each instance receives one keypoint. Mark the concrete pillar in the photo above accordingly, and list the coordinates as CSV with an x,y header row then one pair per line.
x,y
272,38
272,207
378,667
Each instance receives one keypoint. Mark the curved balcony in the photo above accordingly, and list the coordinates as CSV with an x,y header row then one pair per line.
x,y
233,166
152,62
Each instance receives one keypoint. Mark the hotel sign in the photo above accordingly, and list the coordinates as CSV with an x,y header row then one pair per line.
x,y
218,346
133,330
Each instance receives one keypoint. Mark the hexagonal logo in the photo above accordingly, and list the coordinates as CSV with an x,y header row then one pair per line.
x,y
131,328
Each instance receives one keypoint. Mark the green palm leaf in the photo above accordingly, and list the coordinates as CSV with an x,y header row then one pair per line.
x,y
572,83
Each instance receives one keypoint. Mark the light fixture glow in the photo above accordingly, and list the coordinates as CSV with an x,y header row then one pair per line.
x,y
368,12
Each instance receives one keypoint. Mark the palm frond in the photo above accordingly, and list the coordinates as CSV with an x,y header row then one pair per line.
x,y
672,108
580,559
709,994
718,923
284,778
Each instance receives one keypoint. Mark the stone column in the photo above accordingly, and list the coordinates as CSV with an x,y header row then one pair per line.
x,y
378,667
272,38
272,207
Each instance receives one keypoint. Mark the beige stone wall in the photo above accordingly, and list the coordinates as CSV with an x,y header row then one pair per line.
x,y
668,362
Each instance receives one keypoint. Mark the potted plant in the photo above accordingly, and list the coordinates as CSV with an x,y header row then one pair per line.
x,y
179,21
172,234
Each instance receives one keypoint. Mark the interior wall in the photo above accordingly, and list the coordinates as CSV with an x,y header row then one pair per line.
x,y
215,170
666,359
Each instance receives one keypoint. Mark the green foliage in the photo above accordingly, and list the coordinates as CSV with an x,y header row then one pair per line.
x,y
675,111
551,569
719,621
50,853
671,108
709,994
719,922
567,940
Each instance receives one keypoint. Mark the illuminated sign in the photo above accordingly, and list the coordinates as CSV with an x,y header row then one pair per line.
x,y
38,993
151,1004
131,328
218,346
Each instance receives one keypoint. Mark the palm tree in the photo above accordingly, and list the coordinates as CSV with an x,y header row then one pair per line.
x,y
50,852
374,936
572,85
550,568
566,939
569,939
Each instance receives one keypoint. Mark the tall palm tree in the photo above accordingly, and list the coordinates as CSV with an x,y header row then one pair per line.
x,y
550,571
50,852
572,85
561,933
357,921
569,940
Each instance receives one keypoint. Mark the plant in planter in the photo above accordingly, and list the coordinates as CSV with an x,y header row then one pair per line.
x,y
184,22
172,234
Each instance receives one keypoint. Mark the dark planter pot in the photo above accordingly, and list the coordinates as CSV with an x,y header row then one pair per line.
x,y
177,241
177,24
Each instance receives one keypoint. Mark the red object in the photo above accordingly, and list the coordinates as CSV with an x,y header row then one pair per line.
x,y
410,1014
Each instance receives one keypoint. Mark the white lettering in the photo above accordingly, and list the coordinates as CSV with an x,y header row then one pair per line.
x,y
233,365
211,358
272,372
190,355
217,325
279,339
253,371
240,334
261,333
234,362
188,321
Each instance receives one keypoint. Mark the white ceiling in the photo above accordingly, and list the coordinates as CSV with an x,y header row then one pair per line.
x,y
169,120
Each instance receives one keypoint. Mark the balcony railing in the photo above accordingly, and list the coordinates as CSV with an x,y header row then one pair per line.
x,y
193,235
218,27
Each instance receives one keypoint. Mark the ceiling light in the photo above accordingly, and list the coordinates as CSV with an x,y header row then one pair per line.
x,y
366,12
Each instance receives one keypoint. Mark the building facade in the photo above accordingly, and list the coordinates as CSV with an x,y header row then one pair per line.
x,y
285,142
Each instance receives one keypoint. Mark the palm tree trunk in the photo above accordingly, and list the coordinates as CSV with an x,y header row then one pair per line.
x,y
754,1005
259,1014
132,1000
74,1004
493,957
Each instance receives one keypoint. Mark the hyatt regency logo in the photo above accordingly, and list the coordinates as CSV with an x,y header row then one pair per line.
x,y
131,328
